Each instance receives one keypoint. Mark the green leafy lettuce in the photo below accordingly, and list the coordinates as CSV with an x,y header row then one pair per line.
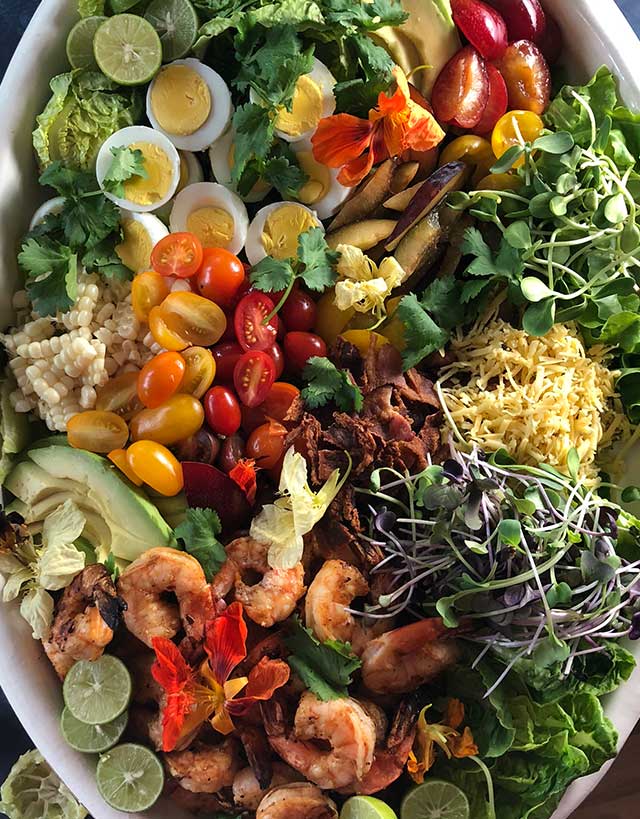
x,y
32,789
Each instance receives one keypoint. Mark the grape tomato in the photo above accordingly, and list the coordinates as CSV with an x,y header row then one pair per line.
x,y
220,276
249,321
472,150
527,77
178,254
200,371
497,103
118,457
525,19
178,418
231,451
299,312
482,25
265,445
275,351
120,395
461,90
300,347
512,129
253,377
275,406
148,290
156,466
97,431
184,320
226,356
222,411
160,378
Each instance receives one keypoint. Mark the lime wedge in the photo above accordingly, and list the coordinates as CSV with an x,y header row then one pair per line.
x,y
130,778
128,49
435,799
92,739
80,42
176,22
366,807
97,692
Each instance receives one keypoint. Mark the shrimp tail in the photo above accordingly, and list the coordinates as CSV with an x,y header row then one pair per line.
x,y
111,606
258,751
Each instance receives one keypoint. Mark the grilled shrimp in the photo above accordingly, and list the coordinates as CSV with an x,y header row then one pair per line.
x,y
404,659
344,724
144,584
247,792
84,620
300,800
205,768
274,597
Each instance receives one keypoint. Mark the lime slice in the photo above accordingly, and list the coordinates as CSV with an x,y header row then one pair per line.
x,y
80,42
127,49
435,800
118,6
97,692
366,807
176,21
91,739
130,777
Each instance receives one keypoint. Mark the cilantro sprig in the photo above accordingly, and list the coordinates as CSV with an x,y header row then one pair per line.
x,y
329,383
125,165
199,531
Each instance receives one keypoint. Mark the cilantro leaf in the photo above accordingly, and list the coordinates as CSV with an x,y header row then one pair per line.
x,y
126,164
283,172
422,335
326,668
272,275
52,275
328,383
441,299
254,133
318,259
199,532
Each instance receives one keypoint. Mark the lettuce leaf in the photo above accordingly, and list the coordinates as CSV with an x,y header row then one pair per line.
x,y
33,789
37,609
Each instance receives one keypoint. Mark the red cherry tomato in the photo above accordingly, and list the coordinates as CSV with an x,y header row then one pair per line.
x,y
525,19
300,347
266,444
497,103
226,356
485,29
276,406
253,377
527,76
461,91
275,351
220,276
251,331
178,254
299,312
550,42
160,378
222,411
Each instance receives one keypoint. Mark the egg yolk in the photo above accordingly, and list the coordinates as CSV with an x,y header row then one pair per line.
x,y
180,100
155,185
319,181
212,225
306,110
135,249
282,229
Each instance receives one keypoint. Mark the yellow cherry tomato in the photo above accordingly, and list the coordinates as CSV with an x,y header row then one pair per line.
x,y
120,395
514,128
330,321
473,151
185,320
499,182
119,458
362,339
148,290
200,372
97,431
156,466
178,418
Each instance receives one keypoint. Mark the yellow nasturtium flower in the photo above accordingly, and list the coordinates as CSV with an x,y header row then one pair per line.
x,y
363,285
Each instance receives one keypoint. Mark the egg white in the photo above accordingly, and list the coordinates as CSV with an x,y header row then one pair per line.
x,y
194,174
335,196
219,157
49,208
211,194
153,227
253,247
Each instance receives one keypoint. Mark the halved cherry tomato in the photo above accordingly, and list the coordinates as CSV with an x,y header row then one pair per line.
x,y
200,372
512,129
97,431
497,103
178,254
119,458
251,331
330,321
178,418
550,42
527,76
276,406
156,466
525,19
220,276
253,377
120,395
222,411
473,151
148,290
160,378
461,91
226,356
265,445
185,320
485,29
275,351
300,347
299,312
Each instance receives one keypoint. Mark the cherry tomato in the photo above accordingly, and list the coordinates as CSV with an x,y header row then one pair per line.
x,y
251,331
160,378
497,103
525,19
499,182
330,321
275,351
276,406
266,444
222,411
220,276
300,347
514,127
148,289
178,418
185,320
299,312
231,451
550,42
200,371
178,254
473,151
97,431
527,76
363,339
119,458
253,377
485,29
204,447
461,91
156,466
120,395
226,357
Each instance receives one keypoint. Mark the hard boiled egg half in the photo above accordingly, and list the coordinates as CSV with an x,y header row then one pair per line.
x,y
190,173
49,208
221,155
141,232
190,104
321,191
216,215
276,229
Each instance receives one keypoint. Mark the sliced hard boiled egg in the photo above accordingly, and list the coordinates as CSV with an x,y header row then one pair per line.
x,y
142,194
190,104
276,229
321,191
141,233
221,156
49,208
216,215
190,173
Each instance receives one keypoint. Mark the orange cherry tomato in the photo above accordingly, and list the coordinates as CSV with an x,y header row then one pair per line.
x,y
148,290
120,395
514,128
156,466
119,458
220,276
474,151
201,370
160,378
185,320
178,418
266,444
178,254
275,406
97,431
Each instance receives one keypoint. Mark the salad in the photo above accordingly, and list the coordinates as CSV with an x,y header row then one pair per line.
x,y
317,406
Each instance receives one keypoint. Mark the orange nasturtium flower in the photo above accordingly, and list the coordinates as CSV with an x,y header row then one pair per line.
x,y
243,475
194,695
398,124
445,735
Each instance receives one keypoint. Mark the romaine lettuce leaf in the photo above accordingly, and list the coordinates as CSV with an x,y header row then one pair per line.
x,y
32,789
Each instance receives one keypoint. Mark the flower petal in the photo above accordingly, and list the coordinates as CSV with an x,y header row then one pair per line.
x,y
174,713
340,139
464,745
226,642
243,475
170,670
354,172
264,679
455,713
222,722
